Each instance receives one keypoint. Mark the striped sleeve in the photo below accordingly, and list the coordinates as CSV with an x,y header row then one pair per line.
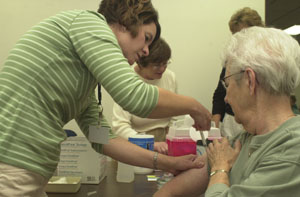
x,y
98,48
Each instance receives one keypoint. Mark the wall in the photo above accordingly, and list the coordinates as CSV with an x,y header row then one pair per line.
x,y
195,29
283,14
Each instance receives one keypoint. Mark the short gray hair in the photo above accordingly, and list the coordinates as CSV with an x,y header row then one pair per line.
x,y
271,53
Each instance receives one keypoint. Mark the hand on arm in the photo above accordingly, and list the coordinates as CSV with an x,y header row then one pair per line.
x,y
221,156
190,183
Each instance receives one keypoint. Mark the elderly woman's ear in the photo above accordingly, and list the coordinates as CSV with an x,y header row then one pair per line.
x,y
251,80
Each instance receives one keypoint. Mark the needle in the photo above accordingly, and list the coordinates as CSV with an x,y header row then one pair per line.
x,y
203,139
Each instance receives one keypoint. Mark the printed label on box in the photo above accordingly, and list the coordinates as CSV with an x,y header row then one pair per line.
x,y
78,158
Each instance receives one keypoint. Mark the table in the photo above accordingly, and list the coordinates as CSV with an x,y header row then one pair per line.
x,y
109,187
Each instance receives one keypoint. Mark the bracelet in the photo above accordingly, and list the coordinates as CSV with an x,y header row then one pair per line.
x,y
155,160
216,171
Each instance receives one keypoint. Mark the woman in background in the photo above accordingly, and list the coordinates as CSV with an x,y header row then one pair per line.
x,y
153,70
50,76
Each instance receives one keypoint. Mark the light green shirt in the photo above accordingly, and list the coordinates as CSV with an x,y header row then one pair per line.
x,y
49,78
268,165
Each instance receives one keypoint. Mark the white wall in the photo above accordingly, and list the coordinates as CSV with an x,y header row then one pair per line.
x,y
195,29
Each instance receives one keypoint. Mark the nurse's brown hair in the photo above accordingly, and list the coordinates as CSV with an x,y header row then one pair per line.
x,y
130,14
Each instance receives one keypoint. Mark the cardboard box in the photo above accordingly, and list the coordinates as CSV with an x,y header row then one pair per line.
x,y
78,158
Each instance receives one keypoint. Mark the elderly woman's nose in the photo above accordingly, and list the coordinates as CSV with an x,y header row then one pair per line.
x,y
226,99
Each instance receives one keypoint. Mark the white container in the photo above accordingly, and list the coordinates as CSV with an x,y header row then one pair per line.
x,y
141,170
146,142
125,173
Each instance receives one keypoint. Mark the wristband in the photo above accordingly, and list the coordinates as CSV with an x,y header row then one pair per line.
x,y
155,160
217,171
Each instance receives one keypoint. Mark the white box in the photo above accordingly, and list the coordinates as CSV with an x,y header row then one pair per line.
x,y
78,158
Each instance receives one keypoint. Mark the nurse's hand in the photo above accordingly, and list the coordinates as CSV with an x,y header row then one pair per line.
x,y
202,118
178,164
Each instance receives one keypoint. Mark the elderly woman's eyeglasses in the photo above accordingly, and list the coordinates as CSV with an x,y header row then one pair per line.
x,y
223,81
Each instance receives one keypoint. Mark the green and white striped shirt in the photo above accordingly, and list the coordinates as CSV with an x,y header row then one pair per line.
x,y
49,78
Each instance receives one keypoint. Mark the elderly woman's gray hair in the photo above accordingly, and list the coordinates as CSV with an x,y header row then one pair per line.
x,y
271,53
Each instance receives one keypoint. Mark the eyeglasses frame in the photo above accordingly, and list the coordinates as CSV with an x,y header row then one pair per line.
x,y
163,64
226,77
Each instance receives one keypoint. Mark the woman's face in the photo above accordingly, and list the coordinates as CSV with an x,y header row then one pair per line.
x,y
232,94
134,48
237,96
153,70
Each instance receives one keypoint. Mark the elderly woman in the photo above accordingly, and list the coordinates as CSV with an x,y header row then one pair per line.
x,y
262,69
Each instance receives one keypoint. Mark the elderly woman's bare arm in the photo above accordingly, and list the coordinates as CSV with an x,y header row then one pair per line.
x,y
192,182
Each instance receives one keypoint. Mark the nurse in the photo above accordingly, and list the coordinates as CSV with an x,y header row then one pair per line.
x,y
49,79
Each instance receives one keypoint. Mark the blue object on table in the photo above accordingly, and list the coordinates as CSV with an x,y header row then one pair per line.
x,y
144,141
70,133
